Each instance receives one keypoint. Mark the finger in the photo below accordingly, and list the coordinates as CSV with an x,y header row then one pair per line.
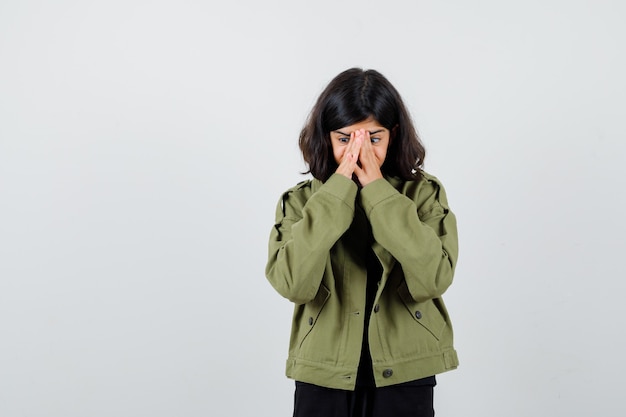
x,y
349,148
367,155
362,134
358,134
350,157
356,142
367,142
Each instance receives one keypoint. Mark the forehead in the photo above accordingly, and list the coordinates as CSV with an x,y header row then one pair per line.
x,y
369,124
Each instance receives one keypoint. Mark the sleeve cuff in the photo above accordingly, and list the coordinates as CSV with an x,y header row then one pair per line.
x,y
376,192
341,187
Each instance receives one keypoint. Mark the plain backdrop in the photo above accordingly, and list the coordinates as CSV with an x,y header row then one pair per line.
x,y
144,145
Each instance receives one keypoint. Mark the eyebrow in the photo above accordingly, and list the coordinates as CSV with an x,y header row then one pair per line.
x,y
371,133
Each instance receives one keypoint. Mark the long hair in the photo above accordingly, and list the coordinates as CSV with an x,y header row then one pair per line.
x,y
351,97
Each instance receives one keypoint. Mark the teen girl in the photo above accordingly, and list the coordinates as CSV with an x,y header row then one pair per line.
x,y
365,250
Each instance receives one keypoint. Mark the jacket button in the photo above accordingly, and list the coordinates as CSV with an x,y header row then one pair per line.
x,y
376,308
310,321
418,314
387,373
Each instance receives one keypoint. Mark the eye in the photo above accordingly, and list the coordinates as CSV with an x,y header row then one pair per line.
x,y
374,140
343,139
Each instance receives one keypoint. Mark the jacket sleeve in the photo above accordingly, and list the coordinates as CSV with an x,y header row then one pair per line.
x,y
304,233
421,235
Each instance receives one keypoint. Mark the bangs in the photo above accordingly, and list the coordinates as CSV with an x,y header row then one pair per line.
x,y
342,111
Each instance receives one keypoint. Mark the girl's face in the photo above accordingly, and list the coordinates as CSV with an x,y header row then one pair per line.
x,y
379,137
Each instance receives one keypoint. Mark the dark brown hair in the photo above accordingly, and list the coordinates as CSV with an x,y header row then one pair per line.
x,y
351,97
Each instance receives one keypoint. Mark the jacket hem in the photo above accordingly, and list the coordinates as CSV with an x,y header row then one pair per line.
x,y
385,374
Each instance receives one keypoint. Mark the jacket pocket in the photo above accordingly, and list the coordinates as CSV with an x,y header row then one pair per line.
x,y
311,312
424,313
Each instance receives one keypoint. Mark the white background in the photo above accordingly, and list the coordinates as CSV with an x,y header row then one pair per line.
x,y
144,144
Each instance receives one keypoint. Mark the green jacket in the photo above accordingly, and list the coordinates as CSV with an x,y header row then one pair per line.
x,y
312,262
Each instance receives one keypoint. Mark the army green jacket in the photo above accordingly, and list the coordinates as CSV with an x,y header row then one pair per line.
x,y
313,261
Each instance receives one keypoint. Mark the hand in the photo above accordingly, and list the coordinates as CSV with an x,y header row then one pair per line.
x,y
368,168
350,156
